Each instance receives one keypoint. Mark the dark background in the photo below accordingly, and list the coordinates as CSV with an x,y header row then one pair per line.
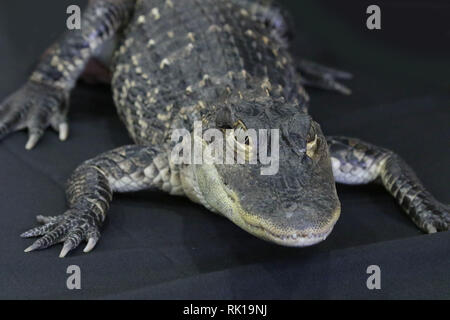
x,y
157,246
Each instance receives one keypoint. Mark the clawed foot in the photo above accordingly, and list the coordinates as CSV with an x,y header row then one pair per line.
x,y
316,75
437,220
35,106
71,228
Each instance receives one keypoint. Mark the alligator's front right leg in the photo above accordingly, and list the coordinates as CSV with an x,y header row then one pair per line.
x,y
358,162
90,190
43,100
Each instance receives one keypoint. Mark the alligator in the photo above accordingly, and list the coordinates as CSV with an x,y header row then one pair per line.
x,y
226,64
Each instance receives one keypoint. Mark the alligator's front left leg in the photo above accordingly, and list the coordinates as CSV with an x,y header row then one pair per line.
x,y
90,189
43,100
358,162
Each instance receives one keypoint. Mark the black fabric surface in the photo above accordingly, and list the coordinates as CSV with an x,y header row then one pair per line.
x,y
157,246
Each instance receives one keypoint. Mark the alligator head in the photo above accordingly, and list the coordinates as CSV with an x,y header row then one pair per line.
x,y
295,203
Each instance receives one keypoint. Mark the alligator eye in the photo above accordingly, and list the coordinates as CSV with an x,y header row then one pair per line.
x,y
311,146
239,125
224,118
240,132
240,142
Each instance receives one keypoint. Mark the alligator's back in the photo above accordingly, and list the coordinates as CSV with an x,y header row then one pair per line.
x,y
177,58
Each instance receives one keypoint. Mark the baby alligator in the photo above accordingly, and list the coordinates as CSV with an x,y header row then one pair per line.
x,y
225,64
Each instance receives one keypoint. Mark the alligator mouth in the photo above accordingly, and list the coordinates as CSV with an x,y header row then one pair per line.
x,y
225,201
304,238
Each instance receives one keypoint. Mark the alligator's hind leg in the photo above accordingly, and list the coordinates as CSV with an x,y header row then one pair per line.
x,y
358,162
43,100
312,74
90,189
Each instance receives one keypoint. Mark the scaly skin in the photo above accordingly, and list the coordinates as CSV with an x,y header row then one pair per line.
x,y
225,63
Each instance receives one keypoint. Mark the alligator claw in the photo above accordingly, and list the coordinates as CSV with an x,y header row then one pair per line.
x,y
327,84
32,140
34,246
316,75
91,244
438,220
63,129
71,228
323,71
35,106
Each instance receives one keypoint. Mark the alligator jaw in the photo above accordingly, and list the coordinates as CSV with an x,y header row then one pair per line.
x,y
290,238
219,198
